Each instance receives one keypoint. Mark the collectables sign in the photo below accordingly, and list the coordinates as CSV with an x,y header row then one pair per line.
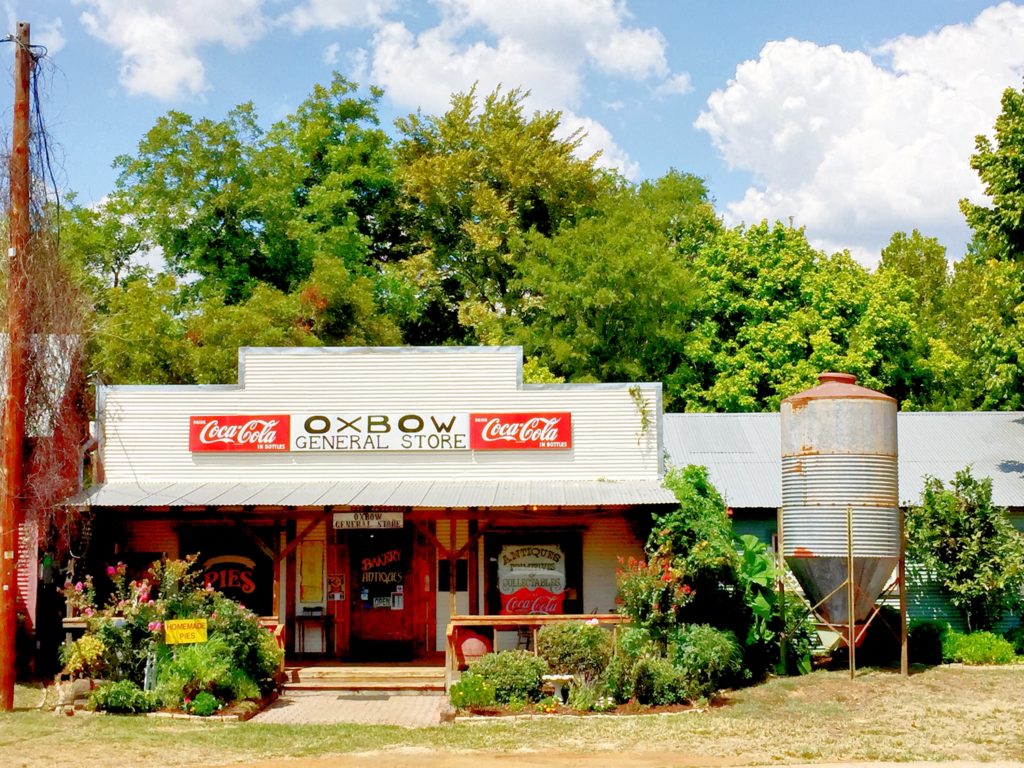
x,y
239,433
531,579
520,431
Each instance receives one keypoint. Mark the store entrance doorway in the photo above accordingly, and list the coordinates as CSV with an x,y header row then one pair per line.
x,y
380,563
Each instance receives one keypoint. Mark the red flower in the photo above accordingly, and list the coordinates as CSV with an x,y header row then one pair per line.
x,y
686,589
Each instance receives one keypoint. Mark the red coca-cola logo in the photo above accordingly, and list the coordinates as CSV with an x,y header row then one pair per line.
x,y
520,431
531,602
239,433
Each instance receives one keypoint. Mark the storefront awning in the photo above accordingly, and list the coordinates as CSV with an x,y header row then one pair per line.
x,y
399,494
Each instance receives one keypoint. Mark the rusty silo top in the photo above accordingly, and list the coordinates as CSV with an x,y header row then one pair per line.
x,y
835,386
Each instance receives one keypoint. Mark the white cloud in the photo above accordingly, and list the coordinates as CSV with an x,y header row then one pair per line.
x,y
676,85
335,14
856,147
160,41
330,54
547,47
51,35
598,139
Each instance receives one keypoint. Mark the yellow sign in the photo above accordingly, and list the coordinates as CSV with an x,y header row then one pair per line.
x,y
185,631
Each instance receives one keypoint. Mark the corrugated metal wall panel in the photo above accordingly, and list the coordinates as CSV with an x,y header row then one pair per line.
x,y
27,572
153,536
146,429
604,542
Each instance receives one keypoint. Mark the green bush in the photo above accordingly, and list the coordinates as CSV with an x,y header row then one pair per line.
x,y
708,658
121,697
590,696
471,691
578,649
924,641
977,648
658,681
204,704
632,644
1015,637
201,667
515,675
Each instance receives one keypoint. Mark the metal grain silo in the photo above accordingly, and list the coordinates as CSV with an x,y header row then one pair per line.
x,y
840,494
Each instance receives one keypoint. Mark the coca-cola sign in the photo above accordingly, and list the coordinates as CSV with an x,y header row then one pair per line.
x,y
520,431
239,433
531,579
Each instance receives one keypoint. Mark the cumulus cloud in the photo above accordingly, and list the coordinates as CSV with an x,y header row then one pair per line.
x,y
335,14
160,42
598,140
544,46
858,145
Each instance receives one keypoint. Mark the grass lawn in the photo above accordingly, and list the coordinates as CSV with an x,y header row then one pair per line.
x,y
944,713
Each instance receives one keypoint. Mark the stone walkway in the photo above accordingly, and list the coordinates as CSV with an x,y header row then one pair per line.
x,y
302,707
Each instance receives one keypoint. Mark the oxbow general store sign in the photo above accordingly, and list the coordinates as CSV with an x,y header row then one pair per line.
x,y
384,431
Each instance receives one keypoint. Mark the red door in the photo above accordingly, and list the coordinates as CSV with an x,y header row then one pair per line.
x,y
380,563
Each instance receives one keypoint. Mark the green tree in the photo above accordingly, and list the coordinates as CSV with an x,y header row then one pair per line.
x,y
999,227
922,260
104,240
978,360
475,180
609,299
191,187
141,339
970,545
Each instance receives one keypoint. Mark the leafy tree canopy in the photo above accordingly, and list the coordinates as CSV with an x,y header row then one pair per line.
x,y
970,545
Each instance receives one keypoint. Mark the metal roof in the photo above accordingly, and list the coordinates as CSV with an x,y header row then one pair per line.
x,y
742,452
430,494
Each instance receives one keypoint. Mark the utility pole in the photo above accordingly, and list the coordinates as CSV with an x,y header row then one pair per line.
x,y
12,509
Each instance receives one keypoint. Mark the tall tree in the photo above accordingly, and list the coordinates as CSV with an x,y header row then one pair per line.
x,y
477,179
609,299
999,227
191,186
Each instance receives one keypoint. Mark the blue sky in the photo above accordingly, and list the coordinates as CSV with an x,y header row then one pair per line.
x,y
855,119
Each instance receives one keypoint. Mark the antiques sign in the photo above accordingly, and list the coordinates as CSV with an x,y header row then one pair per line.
x,y
380,431
531,579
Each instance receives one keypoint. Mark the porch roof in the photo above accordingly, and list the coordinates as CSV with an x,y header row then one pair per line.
x,y
398,494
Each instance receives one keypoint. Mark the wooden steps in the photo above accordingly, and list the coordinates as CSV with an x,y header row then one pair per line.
x,y
365,679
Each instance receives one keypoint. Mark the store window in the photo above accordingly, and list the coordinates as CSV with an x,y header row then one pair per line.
x,y
534,572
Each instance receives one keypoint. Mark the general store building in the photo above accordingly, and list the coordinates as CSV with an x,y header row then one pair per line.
x,y
360,495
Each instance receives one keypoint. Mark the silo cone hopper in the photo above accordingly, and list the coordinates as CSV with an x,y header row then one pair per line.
x,y
840,532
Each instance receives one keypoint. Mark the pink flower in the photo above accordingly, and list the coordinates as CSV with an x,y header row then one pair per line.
x,y
593,622
78,586
88,611
111,570
155,626
151,602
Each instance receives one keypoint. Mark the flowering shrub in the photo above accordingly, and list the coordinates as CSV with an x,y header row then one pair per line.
x,y
653,593
471,691
125,636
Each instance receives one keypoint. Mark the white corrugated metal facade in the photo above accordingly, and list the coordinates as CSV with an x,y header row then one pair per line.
x,y
146,428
